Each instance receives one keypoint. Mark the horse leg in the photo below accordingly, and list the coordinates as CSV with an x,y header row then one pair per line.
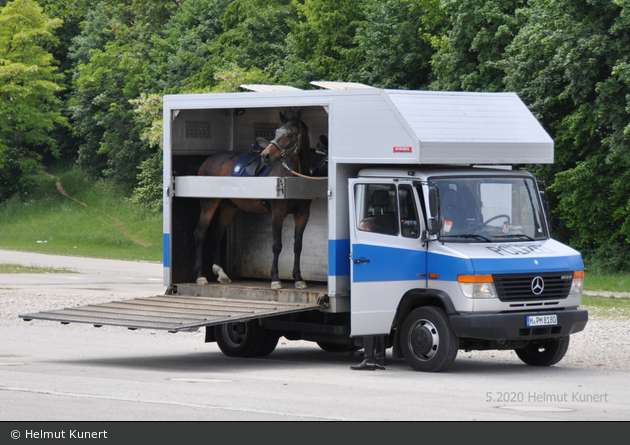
x,y
301,218
226,213
208,208
277,219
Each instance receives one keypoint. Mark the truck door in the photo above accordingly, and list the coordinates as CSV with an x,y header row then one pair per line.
x,y
387,254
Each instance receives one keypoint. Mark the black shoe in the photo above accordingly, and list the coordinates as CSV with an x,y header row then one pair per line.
x,y
365,366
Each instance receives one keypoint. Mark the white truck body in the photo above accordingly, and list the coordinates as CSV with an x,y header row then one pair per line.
x,y
412,147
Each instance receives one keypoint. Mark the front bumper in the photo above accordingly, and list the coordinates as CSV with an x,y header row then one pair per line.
x,y
513,326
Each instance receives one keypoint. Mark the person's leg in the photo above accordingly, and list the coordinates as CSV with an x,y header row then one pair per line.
x,y
379,352
368,363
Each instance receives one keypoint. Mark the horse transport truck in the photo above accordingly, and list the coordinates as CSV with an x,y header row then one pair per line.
x,y
459,258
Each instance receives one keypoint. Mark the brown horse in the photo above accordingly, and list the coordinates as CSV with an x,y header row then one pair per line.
x,y
291,147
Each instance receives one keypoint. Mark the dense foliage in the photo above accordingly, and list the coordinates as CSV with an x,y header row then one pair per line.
x,y
82,81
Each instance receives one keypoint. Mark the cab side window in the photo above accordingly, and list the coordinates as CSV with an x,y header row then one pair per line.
x,y
376,208
409,223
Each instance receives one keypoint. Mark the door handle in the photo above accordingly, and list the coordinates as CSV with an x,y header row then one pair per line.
x,y
361,260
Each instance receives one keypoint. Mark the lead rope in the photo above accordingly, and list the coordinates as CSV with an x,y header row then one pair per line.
x,y
284,164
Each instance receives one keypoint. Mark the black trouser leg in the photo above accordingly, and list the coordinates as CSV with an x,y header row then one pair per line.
x,y
379,350
368,347
368,359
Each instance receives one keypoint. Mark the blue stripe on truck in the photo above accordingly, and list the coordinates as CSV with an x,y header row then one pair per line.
x,y
388,264
338,257
166,248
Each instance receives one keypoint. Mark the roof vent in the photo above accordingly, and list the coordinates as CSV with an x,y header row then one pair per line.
x,y
268,88
340,85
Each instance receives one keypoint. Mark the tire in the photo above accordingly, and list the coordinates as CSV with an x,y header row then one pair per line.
x,y
336,347
545,352
427,340
244,339
269,344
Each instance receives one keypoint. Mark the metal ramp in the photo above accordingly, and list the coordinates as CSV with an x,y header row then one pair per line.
x,y
185,313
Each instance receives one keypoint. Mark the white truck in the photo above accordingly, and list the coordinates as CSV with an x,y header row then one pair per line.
x,y
462,259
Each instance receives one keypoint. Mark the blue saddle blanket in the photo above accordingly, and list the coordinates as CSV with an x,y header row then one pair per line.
x,y
247,166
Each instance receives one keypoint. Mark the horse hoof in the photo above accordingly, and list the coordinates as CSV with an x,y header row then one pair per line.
x,y
202,281
300,285
222,276
276,285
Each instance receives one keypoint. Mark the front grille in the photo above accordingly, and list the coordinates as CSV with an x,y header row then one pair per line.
x,y
518,287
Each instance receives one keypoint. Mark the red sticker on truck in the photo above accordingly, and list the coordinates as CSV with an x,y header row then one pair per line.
x,y
402,149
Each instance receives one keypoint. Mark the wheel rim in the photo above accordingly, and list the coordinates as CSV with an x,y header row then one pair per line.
x,y
234,334
424,340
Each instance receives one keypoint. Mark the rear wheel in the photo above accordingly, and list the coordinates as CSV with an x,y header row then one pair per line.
x,y
427,340
240,339
269,344
545,352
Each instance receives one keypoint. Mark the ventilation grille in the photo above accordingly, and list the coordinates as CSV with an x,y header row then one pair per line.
x,y
198,130
265,130
511,287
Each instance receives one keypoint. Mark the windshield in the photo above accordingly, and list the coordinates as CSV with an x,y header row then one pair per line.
x,y
490,209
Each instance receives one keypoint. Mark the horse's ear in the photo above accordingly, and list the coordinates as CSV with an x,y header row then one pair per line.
x,y
283,118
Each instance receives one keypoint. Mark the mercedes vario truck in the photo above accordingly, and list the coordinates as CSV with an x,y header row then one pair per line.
x,y
460,256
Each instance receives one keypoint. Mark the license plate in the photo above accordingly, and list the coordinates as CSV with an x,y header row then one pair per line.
x,y
542,320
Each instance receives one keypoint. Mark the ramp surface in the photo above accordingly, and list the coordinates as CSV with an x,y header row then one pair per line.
x,y
173,313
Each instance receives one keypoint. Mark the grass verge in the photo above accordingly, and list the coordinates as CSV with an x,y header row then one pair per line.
x,y
16,268
607,307
607,283
107,226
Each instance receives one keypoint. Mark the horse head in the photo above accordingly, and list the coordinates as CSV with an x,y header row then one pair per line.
x,y
290,143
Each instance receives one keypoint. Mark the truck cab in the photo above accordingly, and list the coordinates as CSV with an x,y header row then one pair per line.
x,y
460,258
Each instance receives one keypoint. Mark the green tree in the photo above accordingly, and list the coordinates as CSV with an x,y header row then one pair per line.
x,y
470,51
320,41
110,57
391,48
29,83
569,62
180,51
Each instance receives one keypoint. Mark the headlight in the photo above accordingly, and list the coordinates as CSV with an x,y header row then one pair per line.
x,y
577,285
477,286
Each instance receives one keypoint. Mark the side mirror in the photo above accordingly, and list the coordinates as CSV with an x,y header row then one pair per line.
x,y
434,226
434,222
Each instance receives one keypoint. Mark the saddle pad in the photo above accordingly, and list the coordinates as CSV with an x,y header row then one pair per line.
x,y
241,166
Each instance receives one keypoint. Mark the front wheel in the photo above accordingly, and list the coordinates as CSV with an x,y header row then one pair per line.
x,y
427,340
545,352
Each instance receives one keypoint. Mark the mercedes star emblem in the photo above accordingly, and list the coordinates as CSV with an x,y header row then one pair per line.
x,y
538,285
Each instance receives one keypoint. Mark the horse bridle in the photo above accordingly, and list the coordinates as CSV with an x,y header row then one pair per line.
x,y
296,147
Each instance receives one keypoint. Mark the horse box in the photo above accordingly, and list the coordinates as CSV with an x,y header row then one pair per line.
x,y
461,256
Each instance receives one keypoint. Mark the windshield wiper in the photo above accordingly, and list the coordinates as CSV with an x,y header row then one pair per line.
x,y
515,235
468,235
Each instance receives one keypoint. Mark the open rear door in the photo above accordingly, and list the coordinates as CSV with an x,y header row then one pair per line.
x,y
208,306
